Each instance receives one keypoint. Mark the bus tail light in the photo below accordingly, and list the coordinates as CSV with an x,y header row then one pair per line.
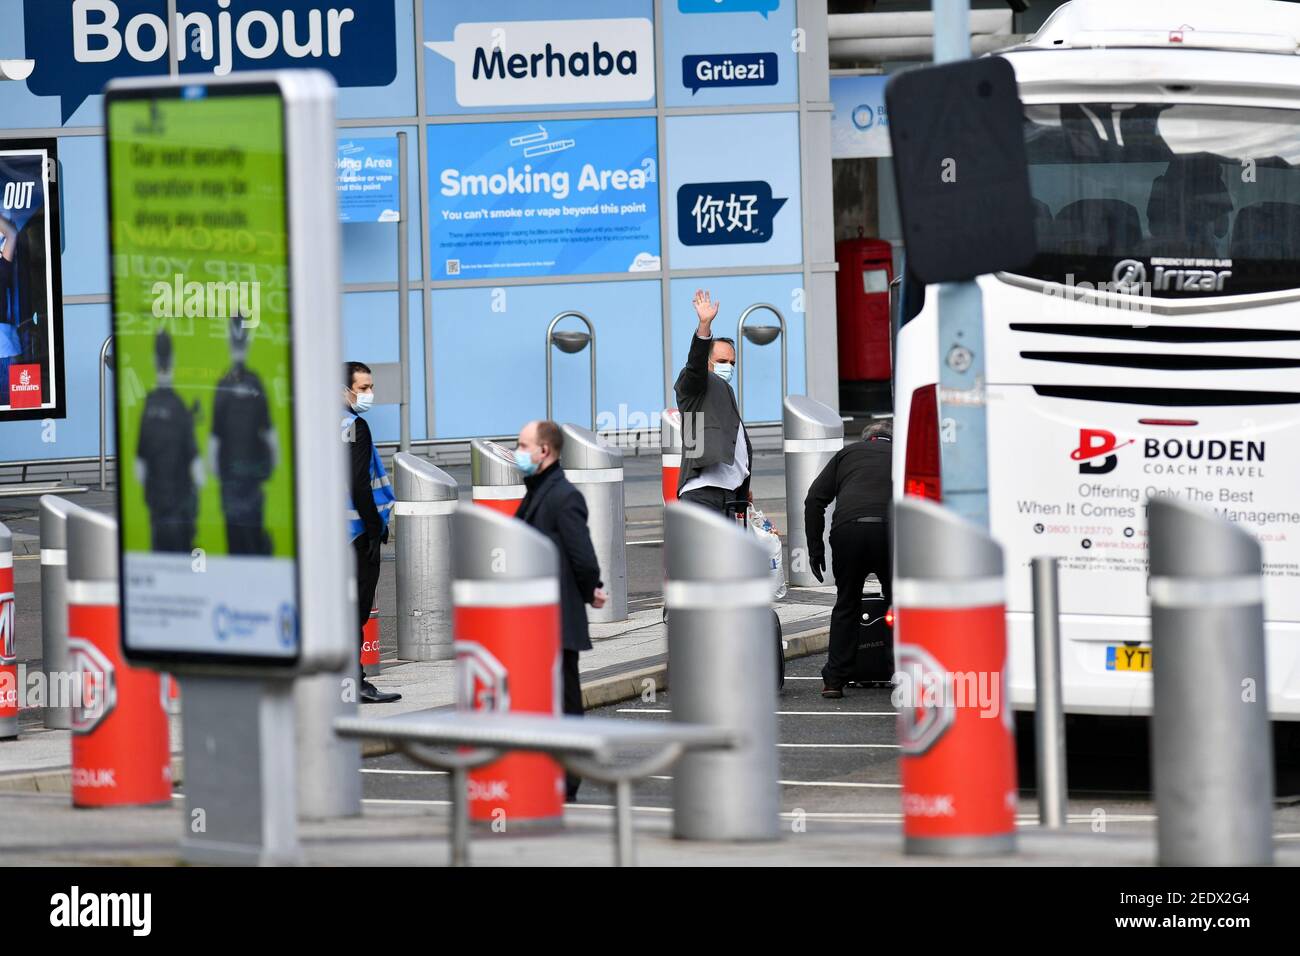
x,y
921,468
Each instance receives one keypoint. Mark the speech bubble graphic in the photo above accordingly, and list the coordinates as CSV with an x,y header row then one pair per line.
x,y
714,214
80,45
530,62
728,69
763,7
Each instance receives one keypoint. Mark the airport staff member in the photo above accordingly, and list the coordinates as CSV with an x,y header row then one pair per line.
x,y
557,509
370,505
167,462
717,455
859,480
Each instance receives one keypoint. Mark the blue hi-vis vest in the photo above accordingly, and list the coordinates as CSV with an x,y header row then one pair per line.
x,y
380,486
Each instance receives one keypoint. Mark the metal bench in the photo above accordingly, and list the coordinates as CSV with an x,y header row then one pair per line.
x,y
589,747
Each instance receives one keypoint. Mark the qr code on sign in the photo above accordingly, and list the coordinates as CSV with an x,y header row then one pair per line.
x,y
453,267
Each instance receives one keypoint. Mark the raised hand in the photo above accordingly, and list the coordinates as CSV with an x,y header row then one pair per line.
x,y
705,308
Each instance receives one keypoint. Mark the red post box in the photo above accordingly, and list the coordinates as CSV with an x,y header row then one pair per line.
x,y
866,267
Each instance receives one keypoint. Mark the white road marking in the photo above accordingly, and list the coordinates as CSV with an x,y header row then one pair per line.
x,y
779,713
631,543
407,773
841,746
828,816
816,783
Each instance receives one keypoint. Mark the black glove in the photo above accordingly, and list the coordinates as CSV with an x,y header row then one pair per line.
x,y
374,550
384,539
817,564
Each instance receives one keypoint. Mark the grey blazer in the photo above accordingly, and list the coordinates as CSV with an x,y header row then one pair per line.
x,y
708,404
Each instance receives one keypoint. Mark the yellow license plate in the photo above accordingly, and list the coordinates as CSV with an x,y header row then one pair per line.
x,y
1124,657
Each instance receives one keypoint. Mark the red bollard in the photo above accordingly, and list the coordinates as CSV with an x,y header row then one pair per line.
x,y
495,481
955,723
506,626
8,640
370,640
670,441
120,743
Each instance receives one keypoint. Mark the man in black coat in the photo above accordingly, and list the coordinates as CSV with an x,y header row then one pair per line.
x,y
716,452
557,509
859,480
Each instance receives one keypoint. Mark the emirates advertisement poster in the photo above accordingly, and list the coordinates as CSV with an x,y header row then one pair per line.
x,y
31,318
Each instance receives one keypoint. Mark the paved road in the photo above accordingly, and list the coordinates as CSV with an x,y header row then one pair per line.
x,y
839,761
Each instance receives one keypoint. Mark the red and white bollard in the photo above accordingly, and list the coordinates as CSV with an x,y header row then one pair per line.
x,y
506,626
955,724
121,750
496,481
670,444
8,640
370,640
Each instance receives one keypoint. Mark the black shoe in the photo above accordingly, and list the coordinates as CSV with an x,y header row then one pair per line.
x,y
831,691
370,694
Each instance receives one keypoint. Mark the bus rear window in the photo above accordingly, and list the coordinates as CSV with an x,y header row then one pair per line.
x,y
1166,200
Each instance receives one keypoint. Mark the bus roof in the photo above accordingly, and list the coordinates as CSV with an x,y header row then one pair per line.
x,y
1257,26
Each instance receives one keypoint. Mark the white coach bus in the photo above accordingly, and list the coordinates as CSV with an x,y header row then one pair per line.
x,y
1153,346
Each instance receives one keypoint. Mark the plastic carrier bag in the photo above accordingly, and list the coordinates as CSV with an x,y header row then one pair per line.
x,y
762,529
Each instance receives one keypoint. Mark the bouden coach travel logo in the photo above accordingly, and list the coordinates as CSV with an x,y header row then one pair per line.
x,y
1097,443
24,386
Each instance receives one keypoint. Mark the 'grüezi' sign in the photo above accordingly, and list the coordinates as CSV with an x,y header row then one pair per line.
x,y
546,62
80,45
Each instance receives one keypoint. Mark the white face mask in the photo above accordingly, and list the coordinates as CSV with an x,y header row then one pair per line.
x,y
364,402
723,370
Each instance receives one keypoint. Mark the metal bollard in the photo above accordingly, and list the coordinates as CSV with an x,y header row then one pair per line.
x,y
121,752
426,500
496,481
506,591
670,443
813,433
1049,712
722,672
54,610
1211,746
596,470
951,687
328,776
8,640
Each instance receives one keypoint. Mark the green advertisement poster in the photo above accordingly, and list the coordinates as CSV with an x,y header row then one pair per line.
x,y
203,370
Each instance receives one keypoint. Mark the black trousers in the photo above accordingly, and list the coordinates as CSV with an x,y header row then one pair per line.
x,y
367,584
715,499
572,707
857,549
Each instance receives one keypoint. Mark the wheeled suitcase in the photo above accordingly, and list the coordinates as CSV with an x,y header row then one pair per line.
x,y
780,652
873,665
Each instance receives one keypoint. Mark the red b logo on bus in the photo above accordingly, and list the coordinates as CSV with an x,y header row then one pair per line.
x,y
1097,443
